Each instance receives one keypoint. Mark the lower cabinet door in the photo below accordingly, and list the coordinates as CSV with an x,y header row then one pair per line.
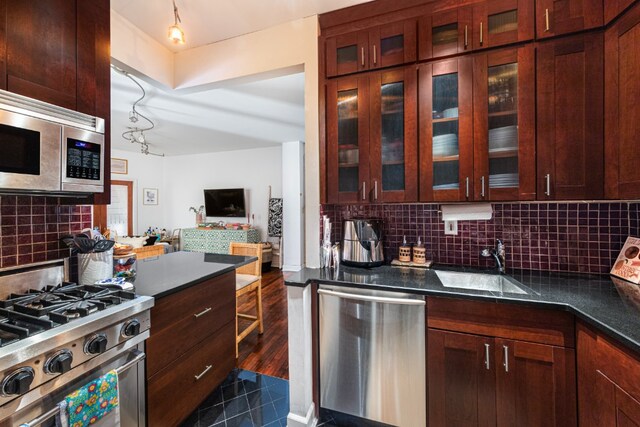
x,y
174,392
461,378
535,384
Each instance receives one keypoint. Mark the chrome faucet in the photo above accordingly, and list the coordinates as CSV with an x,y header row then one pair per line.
x,y
498,254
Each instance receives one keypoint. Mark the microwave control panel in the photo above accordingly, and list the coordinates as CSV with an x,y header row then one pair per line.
x,y
83,159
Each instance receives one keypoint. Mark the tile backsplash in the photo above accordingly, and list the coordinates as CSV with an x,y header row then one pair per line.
x,y
31,227
572,237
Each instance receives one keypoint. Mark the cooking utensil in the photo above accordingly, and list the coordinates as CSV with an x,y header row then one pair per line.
x,y
103,245
84,244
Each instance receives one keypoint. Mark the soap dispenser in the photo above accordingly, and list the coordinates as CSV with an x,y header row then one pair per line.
x,y
419,253
404,254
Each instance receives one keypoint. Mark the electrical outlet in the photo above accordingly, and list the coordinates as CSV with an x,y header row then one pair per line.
x,y
451,227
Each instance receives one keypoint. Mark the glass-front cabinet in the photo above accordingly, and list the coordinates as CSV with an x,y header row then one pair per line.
x,y
371,137
379,47
445,33
347,139
393,116
500,22
446,130
504,125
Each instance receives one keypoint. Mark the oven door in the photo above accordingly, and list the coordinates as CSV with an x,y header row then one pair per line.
x,y
131,389
82,161
29,153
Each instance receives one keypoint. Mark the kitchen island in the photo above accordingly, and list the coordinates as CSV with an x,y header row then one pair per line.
x,y
528,354
192,344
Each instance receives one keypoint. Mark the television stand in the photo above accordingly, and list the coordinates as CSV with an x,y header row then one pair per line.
x,y
214,241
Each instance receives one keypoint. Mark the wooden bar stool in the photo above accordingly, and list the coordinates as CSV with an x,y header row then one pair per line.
x,y
248,280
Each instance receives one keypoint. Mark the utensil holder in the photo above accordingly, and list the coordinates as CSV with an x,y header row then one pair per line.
x,y
95,266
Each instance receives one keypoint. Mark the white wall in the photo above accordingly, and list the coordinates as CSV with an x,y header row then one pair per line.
x,y
285,48
187,176
145,172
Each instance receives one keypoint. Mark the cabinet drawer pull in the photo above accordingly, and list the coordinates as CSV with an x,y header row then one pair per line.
x,y
481,37
487,347
375,190
203,312
466,36
375,57
547,185
201,374
466,184
362,54
482,186
546,20
364,190
505,349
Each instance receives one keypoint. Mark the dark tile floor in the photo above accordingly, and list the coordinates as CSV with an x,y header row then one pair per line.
x,y
245,398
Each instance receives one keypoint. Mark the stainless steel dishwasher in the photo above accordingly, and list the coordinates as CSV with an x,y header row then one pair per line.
x,y
372,354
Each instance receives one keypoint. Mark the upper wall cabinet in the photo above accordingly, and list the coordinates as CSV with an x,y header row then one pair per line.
x,y
379,47
371,137
41,50
555,17
445,33
500,22
570,110
504,124
622,109
477,26
613,8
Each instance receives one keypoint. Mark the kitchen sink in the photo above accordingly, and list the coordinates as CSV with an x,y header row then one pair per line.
x,y
480,282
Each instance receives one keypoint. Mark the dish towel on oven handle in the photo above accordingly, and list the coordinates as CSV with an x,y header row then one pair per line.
x,y
94,404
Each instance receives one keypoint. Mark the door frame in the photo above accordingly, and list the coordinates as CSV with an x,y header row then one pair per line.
x,y
100,211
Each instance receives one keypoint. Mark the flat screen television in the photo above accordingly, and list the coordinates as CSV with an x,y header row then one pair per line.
x,y
225,203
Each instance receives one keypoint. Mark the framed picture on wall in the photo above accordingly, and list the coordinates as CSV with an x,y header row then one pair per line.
x,y
120,166
150,196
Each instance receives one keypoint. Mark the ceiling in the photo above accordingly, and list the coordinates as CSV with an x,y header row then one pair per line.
x,y
207,21
251,115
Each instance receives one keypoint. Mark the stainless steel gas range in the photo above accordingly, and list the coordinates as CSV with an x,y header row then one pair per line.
x,y
56,336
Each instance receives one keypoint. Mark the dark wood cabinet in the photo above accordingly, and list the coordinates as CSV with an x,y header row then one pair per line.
x,y
504,125
41,50
556,17
535,384
613,8
622,110
501,22
496,364
445,33
608,381
371,137
461,379
379,47
446,130
189,353
570,135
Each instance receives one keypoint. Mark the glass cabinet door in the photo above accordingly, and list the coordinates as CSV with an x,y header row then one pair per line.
x,y
446,135
504,133
445,33
393,136
347,140
499,22
347,53
392,44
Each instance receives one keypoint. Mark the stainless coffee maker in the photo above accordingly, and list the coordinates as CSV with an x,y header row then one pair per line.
x,y
362,243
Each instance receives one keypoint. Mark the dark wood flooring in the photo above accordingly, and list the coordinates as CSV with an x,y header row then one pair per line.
x,y
268,353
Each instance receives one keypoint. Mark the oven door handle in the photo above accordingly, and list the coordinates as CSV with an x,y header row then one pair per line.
x,y
139,357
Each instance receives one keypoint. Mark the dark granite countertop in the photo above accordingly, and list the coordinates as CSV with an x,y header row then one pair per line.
x,y
170,273
611,305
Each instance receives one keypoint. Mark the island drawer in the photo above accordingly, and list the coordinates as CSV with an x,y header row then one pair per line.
x,y
510,321
175,391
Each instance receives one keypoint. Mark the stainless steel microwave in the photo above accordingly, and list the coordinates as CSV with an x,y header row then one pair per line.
x,y
49,149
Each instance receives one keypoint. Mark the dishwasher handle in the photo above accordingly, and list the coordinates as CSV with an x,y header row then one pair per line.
x,y
382,300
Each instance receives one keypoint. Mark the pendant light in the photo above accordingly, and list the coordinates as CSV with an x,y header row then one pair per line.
x,y
175,34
